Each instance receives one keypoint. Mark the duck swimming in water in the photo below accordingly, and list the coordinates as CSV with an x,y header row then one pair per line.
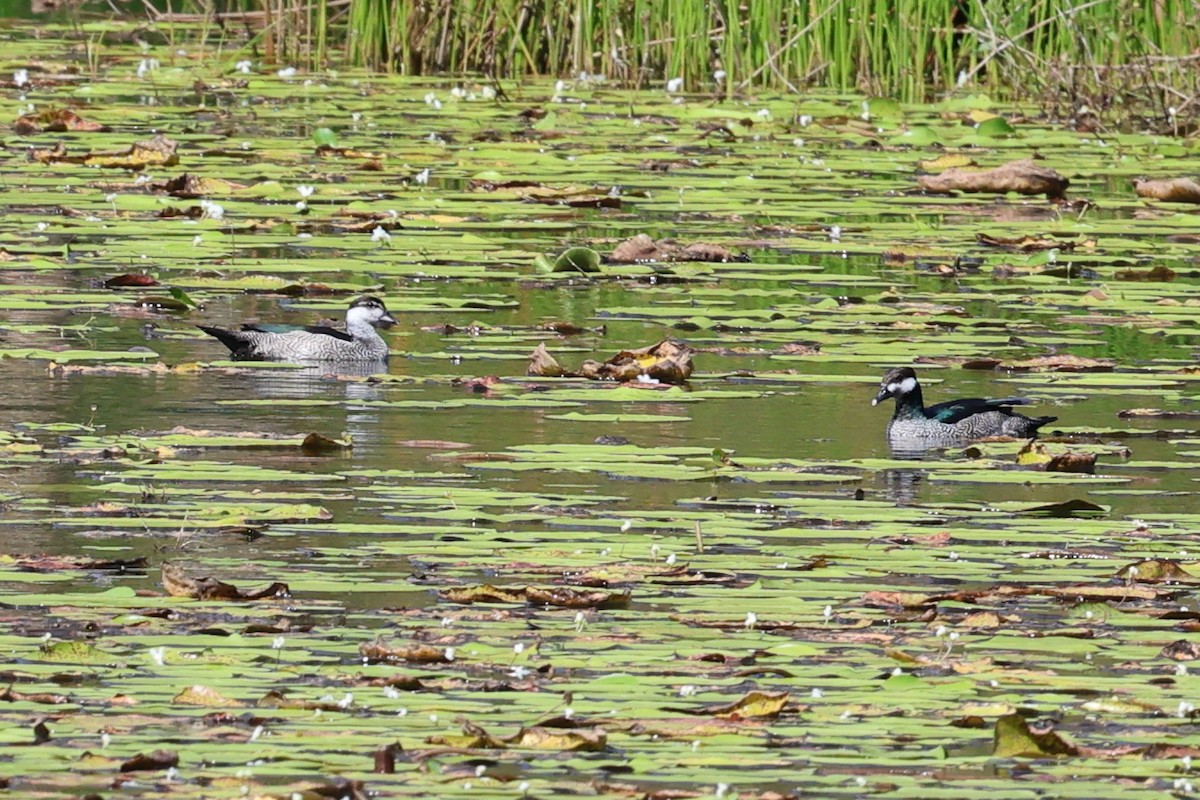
x,y
360,341
952,423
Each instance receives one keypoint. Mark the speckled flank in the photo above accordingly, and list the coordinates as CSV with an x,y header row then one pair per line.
x,y
976,426
359,342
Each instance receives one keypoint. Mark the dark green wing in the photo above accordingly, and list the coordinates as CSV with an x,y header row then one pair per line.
x,y
320,330
956,410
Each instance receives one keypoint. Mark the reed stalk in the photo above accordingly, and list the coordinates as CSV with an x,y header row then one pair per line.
x,y
908,49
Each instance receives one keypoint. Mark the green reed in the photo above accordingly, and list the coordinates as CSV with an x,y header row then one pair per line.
x,y
910,49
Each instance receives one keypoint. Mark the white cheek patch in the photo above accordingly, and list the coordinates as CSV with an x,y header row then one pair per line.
x,y
893,388
906,385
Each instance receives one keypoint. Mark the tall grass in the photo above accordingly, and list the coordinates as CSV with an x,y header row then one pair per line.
x,y
911,49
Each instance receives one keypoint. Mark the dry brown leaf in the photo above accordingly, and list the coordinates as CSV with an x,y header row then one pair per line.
x,y
159,759
641,249
982,619
1181,650
55,120
751,706
1027,244
198,695
1171,190
1156,413
1013,738
1022,177
179,584
544,365
327,151
668,361
558,596
156,152
278,699
10,695
537,737
376,652
188,185
1060,363
1158,273
877,599
317,444
1156,570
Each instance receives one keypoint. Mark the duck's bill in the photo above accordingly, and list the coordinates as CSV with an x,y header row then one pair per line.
x,y
884,394
387,320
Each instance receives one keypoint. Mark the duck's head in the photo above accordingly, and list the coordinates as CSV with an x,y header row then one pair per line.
x,y
896,383
370,310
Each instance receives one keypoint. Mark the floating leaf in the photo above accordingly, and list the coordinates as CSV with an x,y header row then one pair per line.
x,y
578,259
179,584
1013,738
1022,177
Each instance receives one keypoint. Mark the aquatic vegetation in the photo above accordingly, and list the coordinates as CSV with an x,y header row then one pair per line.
x,y
454,578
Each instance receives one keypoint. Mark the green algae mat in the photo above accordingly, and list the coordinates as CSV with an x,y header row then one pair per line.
x,y
445,577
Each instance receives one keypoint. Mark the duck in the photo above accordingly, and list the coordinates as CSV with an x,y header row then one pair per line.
x,y
359,342
952,423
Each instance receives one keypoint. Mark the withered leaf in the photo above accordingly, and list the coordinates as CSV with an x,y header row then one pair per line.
x,y
1072,462
641,249
537,737
159,759
1038,455
156,152
10,695
1059,363
982,620
179,584
667,362
205,696
130,279
484,593
55,120
316,444
188,185
1013,738
879,599
471,740
544,365
563,597
277,699
559,596
749,706
1157,273
58,563
1181,650
568,328
1157,413
1027,244
1171,190
1022,177
1156,570
377,652
570,196
329,151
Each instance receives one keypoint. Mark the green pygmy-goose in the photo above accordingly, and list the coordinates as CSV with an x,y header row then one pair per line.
x,y
952,423
359,342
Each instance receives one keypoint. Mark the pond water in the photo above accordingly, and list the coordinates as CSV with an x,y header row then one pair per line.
x,y
750,591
